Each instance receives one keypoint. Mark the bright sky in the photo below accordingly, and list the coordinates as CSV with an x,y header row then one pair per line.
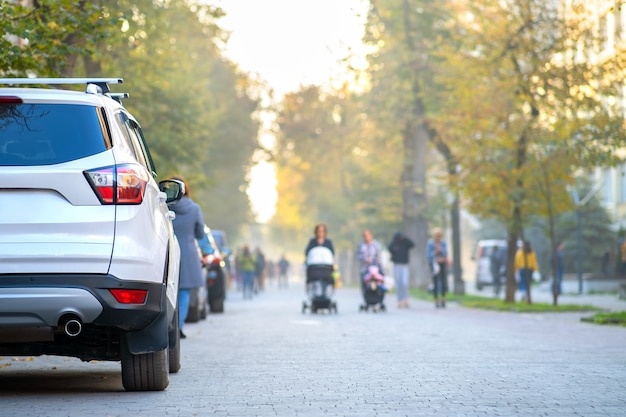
x,y
289,43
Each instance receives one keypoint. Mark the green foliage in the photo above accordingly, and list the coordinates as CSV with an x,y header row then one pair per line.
x,y
527,113
193,104
52,35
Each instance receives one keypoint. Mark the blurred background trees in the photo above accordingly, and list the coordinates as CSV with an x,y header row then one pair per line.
x,y
488,108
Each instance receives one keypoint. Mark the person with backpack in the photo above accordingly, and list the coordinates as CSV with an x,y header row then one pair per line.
x,y
400,248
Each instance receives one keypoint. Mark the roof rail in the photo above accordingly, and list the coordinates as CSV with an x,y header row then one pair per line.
x,y
118,96
101,82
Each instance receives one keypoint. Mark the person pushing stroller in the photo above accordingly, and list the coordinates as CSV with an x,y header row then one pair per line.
x,y
371,272
320,283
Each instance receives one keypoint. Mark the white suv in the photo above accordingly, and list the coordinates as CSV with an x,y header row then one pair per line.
x,y
88,259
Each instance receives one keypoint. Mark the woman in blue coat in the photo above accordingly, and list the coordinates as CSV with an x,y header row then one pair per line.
x,y
188,227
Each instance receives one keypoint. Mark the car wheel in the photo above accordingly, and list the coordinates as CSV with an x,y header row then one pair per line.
x,y
145,371
204,311
479,286
174,345
217,305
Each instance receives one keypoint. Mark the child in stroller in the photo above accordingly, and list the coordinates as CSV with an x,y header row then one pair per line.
x,y
320,282
373,287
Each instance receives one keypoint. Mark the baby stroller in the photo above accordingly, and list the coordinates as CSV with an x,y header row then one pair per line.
x,y
320,283
373,288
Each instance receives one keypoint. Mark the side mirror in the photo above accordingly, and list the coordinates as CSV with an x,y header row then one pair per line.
x,y
173,189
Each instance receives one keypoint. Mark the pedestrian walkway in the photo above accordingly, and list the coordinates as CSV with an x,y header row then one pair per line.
x,y
263,357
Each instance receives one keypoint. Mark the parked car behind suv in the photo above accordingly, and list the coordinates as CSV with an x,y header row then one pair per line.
x,y
227,254
215,275
88,259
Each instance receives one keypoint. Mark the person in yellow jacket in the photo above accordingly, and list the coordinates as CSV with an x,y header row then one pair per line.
x,y
525,265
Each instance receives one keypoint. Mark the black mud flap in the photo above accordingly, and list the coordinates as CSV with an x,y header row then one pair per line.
x,y
151,339
155,336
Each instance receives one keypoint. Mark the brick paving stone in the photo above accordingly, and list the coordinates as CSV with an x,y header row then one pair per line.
x,y
264,358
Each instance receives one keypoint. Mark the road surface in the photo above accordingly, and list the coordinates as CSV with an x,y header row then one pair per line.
x,y
264,358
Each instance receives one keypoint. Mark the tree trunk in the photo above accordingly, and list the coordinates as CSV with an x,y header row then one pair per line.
x,y
511,284
92,68
455,210
457,272
515,227
546,189
416,136
414,201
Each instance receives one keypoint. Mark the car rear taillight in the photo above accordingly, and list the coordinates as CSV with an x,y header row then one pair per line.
x,y
10,100
124,296
213,259
121,184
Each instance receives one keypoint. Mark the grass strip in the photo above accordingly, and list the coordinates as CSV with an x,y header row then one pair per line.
x,y
613,319
495,304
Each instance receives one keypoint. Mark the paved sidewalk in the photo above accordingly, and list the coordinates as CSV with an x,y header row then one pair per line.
x,y
264,358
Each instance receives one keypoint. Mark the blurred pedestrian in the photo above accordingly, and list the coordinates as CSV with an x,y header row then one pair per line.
x,y
498,267
237,270
283,270
369,254
259,270
319,239
437,254
246,263
188,227
400,248
525,265
271,271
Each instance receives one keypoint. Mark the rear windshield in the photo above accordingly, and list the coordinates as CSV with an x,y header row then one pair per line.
x,y
45,134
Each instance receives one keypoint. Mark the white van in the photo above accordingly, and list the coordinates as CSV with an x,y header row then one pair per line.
x,y
482,256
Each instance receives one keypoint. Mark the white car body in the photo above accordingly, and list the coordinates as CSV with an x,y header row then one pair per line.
x,y
64,248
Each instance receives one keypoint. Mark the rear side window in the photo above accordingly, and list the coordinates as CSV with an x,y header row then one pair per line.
x,y
45,134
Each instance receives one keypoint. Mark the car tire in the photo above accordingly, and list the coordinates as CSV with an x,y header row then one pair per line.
x,y
145,371
479,286
204,310
217,305
174,345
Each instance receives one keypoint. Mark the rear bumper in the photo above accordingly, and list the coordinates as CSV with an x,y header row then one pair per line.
x,y
30,300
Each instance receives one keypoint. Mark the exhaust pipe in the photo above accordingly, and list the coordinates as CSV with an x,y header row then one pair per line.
x,y
73,326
